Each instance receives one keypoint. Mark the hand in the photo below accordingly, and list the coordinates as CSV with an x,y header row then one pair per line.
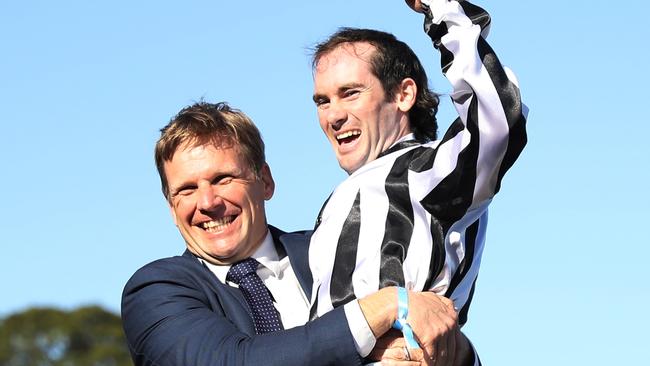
x,y
435,324
390,350
415,5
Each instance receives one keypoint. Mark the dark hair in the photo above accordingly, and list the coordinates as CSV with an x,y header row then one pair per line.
x,y
392,62
206,123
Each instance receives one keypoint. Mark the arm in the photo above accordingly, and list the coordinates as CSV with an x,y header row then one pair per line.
x,y
433,319
490,132
487,98
451,182
174,314
455,179
390,349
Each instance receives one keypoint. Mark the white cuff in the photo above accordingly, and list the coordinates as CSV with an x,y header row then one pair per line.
x,y
364,340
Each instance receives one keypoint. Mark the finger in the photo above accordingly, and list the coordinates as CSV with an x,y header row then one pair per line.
x,y
430,347
449,303
396,354
427,340
446,345
392,338
416,354
415,5
378,354
399,363
447,341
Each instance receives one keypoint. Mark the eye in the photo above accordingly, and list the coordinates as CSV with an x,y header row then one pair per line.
x,y
184,191
351,93
321,102
223,179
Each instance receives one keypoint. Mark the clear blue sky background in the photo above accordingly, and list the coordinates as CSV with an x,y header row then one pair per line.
x,y
85,86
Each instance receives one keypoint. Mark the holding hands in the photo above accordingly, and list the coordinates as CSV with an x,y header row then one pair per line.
x,y
435,324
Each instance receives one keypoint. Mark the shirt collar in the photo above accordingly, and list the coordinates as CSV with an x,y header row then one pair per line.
x,y
266,254
410,136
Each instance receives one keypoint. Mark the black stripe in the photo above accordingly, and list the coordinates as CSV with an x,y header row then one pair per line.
x,y
319,218
476,14
425,156
452,197
423,160
313,314
464,266
398,229
470,246
438,252
341,289
398,146
511,104
435,31
462,314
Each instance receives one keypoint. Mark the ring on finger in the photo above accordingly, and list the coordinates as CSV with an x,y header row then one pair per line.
x,y
407,354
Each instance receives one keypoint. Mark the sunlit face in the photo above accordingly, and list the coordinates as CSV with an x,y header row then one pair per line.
x,y
217,202
353,111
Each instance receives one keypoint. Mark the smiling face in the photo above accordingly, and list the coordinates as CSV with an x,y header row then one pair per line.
x,y
217,202
353,109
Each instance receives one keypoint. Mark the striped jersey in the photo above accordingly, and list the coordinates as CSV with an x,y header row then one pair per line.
x,y
416,216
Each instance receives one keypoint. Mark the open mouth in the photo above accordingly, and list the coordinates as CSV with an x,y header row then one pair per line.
x,y
348,137
216,225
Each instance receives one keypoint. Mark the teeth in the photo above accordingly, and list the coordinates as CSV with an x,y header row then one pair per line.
x,y
219,224
348,134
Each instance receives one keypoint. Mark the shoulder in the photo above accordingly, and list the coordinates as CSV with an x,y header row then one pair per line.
x,y
184,268
283,236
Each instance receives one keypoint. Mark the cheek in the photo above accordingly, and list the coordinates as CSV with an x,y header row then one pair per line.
x,y
322,121
184,210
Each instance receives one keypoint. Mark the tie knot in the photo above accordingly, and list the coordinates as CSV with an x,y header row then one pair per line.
x,y
242,269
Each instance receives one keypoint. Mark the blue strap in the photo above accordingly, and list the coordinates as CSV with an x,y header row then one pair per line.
x,y
402,314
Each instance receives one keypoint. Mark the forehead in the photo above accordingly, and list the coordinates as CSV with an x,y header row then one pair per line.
x,y
356,55
191,160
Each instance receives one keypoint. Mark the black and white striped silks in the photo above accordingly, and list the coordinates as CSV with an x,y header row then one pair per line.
x,y
416,216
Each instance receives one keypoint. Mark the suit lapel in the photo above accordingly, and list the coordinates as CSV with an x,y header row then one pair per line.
x,y
232,302
230,299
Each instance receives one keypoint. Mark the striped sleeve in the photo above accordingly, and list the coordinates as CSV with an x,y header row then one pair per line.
x,y
456,180
487,98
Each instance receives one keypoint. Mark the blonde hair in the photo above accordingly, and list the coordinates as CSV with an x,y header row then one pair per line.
x,y
207,123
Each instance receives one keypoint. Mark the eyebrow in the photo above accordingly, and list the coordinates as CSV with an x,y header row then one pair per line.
x,y
173,191
340,90
317,97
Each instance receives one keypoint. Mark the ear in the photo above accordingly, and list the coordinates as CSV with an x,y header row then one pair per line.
x,y
267,180
406,95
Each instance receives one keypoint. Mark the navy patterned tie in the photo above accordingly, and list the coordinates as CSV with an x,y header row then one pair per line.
x,y
265,315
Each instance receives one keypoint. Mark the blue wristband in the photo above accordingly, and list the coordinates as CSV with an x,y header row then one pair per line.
x,y
402,314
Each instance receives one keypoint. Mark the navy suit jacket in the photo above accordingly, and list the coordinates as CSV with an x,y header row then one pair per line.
x,y
176,312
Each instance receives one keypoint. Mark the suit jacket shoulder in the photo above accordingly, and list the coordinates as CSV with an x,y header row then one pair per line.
x,y
176,312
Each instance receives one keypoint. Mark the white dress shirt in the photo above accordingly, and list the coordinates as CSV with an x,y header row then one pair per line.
x,y
290,300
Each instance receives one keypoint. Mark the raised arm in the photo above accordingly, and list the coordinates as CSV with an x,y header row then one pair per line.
x,y
490,132
456,178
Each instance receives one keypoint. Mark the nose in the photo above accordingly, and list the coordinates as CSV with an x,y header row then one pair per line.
x,y
336,115
208,197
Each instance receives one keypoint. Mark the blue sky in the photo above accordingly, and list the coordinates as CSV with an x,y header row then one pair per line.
x,y
85,86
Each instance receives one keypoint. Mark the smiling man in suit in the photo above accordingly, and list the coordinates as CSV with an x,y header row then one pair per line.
x,y
237,294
